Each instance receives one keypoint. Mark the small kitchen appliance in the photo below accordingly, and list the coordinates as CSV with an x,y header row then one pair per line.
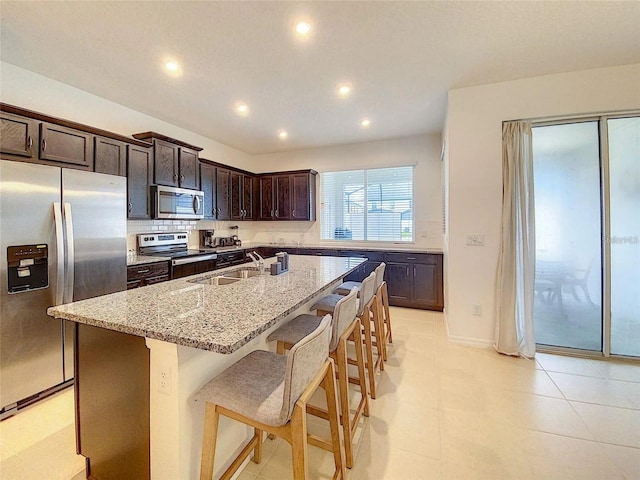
x,y
207,239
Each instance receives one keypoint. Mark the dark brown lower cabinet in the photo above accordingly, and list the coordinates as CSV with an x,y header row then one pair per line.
x,y
147,274
112,403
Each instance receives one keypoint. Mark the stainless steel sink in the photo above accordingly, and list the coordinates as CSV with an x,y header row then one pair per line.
x,y
215,280
244,273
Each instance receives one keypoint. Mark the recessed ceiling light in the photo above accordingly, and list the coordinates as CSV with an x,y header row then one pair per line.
x,y
242,109
303,28
283,134
344,90
365,122
172,66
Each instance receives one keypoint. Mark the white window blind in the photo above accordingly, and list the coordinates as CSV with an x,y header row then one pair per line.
x,y
374,204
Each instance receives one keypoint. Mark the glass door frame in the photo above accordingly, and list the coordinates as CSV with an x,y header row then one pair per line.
x,y
605,229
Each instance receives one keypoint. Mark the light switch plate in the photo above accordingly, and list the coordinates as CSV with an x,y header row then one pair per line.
x,y
476,240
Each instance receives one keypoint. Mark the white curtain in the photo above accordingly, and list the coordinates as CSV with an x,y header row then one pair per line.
x,y
516,264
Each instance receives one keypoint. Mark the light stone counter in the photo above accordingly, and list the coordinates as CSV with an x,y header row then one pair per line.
x,y
216,318
145,259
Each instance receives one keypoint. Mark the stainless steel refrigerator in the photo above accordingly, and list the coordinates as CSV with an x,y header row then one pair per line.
x,y
62,239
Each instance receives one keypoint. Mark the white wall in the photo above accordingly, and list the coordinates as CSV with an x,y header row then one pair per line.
x,y
474,167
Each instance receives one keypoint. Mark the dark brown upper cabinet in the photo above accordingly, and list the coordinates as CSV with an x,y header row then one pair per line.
x,y
215,183
188,168
166,168
110,156
18,135
139,178
66,145
242,196
288,196
176,162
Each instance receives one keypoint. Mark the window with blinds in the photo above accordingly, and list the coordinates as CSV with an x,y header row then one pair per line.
x,y
374,205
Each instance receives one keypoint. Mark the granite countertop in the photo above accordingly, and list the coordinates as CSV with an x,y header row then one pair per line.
x,y
217,318
395,247
144,259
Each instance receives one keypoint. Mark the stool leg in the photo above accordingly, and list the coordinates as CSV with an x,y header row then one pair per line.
x,y
375,319
356,336
257,452
334,421
387,316
209,439
299,442
378,320
368,343
343,390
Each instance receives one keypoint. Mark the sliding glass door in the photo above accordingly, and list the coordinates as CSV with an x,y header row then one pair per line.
x,y
624,240
587,204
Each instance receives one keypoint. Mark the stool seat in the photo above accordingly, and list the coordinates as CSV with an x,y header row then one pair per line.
x,y
327,303
296,329
264,372
346,287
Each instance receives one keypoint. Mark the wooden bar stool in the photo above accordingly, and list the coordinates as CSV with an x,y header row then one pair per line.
x,y
270,392
381,291
346,326
366,308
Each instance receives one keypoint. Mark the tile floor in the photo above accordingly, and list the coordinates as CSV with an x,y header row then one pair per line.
x,y
444,411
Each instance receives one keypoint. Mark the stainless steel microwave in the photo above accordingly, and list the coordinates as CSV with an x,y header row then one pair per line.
x,y
177,203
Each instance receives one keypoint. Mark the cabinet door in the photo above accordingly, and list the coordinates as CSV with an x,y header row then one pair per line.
x,y
399,283
139,168
248,197
223,197
165,170
17,135
188,168
301,197
207,185
426,285
66,145
266,198
283,197
237,210
110,156
185,270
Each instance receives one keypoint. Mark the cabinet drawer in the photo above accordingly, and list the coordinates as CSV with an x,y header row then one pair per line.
x,y
407,257
147,271
158,279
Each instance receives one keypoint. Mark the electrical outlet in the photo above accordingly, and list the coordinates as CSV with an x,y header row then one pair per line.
x,y
475,240
164,381
476,309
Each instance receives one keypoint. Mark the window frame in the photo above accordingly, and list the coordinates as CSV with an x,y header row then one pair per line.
x,y
344,241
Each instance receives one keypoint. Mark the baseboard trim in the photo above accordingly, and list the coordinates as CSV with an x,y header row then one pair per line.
x,y
469,341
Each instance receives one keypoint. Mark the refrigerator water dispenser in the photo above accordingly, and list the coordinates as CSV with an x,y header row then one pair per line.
x,y
27,268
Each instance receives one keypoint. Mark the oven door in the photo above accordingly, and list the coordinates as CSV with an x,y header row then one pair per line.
x,y
177,203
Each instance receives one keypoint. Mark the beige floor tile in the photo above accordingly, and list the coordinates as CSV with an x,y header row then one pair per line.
x,y
511,377
5,451
16,468
378,462
563,364
619,426
618,370
535,412
600,391
625,459
280,465
268,447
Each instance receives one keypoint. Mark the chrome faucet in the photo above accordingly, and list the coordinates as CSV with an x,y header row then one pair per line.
x,y
257,260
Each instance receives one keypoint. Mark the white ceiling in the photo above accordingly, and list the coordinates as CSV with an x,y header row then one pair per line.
x,y
401,58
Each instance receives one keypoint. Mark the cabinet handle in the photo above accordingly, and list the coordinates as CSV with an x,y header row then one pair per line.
x,y
182,178
29,142
130,207
272,213
414,271
144,271
213,212
44,144
293,213
277,214
175,177
407,271
411,258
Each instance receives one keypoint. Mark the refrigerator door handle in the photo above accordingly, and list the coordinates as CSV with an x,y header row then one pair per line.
x,y
57,215
68,221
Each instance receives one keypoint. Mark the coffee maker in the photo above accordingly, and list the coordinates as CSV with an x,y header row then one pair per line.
x,y
207,239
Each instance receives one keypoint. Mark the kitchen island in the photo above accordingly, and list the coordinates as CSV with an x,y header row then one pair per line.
x,y
141,355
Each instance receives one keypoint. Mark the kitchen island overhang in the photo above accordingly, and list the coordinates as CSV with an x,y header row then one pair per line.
x,y
190,332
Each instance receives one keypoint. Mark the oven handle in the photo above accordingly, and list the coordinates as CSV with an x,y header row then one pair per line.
x,y
199,258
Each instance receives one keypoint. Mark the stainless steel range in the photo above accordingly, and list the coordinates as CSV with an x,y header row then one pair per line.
x,y
173,245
